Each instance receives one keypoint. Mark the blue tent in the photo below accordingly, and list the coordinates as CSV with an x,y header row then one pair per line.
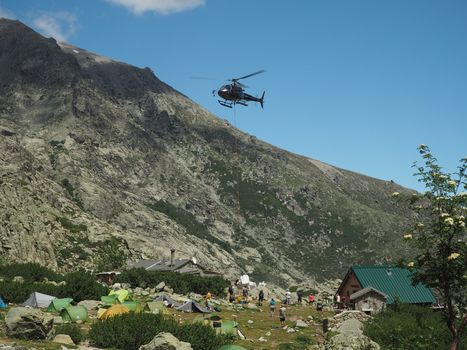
x,y
2,304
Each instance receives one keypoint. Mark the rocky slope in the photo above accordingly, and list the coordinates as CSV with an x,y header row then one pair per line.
x,y
91,148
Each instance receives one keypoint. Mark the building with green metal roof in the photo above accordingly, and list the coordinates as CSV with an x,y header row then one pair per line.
x,y
394,282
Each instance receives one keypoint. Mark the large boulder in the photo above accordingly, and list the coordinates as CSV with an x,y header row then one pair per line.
x,y
90,305
351,342
350,336
63,339
351,326
160,287
27,323
166,341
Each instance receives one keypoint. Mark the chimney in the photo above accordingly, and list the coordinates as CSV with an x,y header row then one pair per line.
x,y
172,256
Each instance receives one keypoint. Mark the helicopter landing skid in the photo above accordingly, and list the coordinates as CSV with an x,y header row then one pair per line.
x,y
225,104
230,104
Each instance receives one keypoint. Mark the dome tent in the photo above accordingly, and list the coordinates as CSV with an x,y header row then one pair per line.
x,y
74,313
114,310
133,306
57,304
37,299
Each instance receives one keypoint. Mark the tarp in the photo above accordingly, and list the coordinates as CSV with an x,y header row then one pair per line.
x,y
58,305
156,307
38,300
133,306
74,313
192,306
2,304
114,310
110,299
122,294
170,301
245,280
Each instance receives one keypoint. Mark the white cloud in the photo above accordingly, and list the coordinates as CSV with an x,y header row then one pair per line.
x,y
163,7
6,14
59,25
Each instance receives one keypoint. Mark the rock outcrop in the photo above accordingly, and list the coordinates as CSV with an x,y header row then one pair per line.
x,y
349,328
27,323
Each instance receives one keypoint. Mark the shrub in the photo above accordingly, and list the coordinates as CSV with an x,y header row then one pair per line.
x,y
31,272
130,331
79,286
82,285
410,327
16,292
111,256
73,330
181,283
201,337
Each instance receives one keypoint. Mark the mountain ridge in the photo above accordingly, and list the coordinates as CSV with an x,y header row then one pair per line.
x,y
94,142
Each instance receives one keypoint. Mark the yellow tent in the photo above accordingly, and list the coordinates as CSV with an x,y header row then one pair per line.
x,y
114,310
122,294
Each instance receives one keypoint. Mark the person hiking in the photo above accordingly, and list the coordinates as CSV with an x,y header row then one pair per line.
x,y
299,297
260,297
282,314
272,306
311,299
288,296
231,290
208,300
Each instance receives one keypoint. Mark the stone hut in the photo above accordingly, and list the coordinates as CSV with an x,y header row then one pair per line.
x,y
369,300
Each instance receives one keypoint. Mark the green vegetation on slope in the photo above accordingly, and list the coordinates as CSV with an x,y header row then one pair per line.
x,y
187,220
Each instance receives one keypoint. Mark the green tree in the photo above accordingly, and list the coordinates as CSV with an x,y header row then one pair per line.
x,y
111,255
439,236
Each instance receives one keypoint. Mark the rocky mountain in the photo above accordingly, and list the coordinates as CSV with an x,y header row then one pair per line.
x,y
91,149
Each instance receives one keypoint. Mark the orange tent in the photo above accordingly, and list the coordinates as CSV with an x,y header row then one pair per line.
x,y
114,310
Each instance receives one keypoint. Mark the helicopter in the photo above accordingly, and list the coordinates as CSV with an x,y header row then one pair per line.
x,y
234,93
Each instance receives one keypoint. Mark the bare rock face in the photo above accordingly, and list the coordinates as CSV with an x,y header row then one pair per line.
x,y
27,323
166,341
92,150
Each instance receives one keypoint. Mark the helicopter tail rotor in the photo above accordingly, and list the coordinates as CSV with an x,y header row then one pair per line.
x,y
261,101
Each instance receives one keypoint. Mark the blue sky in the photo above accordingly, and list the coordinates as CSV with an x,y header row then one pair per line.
x,y
357,84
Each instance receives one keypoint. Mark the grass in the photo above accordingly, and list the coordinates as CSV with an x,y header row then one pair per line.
x,y
70,226
264,323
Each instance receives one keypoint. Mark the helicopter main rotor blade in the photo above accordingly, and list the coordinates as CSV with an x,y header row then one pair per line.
x,y
204,78
250,75
241,85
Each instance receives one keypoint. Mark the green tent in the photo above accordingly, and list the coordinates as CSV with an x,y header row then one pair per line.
x,y
133,306
58,305
229,327
232,347
74,313
122,295
110,299
156,307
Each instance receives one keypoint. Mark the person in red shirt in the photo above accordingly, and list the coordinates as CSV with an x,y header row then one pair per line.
x,y
311,299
